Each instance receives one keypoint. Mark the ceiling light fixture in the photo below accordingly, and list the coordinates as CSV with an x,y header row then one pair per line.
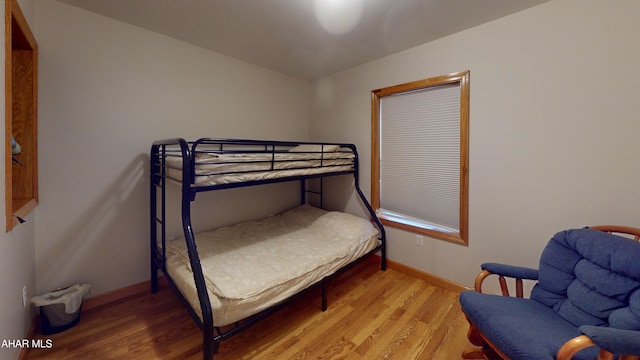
x,y
338,16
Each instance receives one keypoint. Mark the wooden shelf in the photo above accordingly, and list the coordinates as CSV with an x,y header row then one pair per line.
x,y
21,94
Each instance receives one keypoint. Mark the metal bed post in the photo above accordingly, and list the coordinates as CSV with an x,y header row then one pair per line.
x,y
372,213
158,179
321,193
305,191
153,216
210,346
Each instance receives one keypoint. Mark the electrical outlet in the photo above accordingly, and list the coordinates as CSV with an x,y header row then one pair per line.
x,y
24,296
419,240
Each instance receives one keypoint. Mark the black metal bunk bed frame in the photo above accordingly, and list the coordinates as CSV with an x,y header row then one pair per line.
x,y
213,335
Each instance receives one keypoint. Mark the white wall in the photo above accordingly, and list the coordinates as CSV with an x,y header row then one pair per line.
x,y
107,90
553,128
17,263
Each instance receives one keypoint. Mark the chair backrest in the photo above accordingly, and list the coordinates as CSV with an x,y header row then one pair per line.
x,y
591,277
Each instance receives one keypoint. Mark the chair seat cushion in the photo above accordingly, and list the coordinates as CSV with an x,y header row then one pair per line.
x,y
521,328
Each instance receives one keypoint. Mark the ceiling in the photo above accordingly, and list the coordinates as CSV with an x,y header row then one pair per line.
x,y
305,38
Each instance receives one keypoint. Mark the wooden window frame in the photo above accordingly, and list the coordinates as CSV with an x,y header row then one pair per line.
x,y
461,78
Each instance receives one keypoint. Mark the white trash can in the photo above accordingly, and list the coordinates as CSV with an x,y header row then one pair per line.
x,y
60,309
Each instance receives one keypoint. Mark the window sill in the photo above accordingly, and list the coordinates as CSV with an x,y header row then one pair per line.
x,y
420,227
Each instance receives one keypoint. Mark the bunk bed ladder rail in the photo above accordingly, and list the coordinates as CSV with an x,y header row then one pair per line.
x,y
157,181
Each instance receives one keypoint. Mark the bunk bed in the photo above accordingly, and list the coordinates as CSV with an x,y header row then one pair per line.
x,y
234,276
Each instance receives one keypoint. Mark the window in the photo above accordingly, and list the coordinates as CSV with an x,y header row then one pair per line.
x,y
420,142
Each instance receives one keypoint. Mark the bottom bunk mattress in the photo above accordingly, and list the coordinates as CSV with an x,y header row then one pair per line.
x,y
256,264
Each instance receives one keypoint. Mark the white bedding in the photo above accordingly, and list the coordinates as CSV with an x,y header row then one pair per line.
x,y
251,266
214,169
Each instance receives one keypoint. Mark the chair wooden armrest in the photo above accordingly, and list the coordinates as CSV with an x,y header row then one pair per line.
x,y
477,284
581,342
504,288
504,271
574,345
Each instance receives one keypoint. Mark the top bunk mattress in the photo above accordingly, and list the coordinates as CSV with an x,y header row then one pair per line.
x,y
217,167
253,265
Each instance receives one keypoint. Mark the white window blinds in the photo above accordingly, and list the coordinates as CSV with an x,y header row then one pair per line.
x,y
420,156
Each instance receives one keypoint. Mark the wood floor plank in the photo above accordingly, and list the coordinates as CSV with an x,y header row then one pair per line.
x,y
372,315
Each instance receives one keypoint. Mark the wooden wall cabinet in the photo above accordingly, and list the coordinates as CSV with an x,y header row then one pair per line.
x,y
21,94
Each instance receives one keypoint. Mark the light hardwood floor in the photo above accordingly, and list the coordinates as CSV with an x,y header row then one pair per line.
x,y
372,315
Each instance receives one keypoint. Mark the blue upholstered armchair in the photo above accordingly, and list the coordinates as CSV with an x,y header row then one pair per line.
x,y
585,304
